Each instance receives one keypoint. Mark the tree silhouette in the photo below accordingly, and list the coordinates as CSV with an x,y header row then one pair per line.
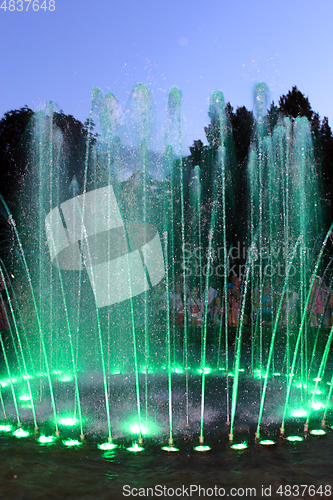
x,y
295,104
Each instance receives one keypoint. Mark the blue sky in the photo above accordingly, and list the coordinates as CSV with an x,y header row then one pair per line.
x,y
199,47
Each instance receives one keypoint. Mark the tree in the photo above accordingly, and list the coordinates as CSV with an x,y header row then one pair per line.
x,y
15,135
295,104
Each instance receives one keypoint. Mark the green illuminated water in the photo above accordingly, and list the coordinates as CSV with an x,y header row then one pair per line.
x,y
106,250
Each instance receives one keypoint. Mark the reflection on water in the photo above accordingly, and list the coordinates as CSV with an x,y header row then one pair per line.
x,y
29,470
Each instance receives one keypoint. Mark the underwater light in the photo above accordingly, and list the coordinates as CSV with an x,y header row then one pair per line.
x,y
169,448
317,432
266,442
202,448
5,428
71,442
239,446
46,439
294,439
135,448
107,446
20,433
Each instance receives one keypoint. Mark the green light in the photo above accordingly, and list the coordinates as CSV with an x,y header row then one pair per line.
x,y
239,447
24,398
294,439
318,406
71,442
266,442
27,377
169,448
68,421
277,374
20,433
148,428
46,439
5,428
179,370
317,379
318,432
231,374
66,378
107,446
135,448
3,384
299,413
206,370
202,448
241,370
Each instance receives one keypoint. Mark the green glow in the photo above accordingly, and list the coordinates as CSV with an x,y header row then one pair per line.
x,y
294,439
20,433
68,421
179,370
3,384
27,377
317,406
169,448
46,439
202,448
107,446
299,413
318,432
148,428
266,442
241,370
240,446
66,378
5,428
317,379
71,442
24,398
207,370
277,374
135,448
317,391
231,374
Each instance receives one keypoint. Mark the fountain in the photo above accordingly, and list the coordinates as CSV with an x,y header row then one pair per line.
x,y
94,349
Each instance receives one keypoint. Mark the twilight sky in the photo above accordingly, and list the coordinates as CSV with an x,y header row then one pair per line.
x,y
198,46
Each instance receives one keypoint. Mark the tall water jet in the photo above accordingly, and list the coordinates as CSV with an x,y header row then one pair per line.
x,y
110,245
